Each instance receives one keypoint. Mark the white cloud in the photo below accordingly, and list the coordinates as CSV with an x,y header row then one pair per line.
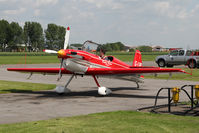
x,y
162,7
171,10
15,11
182,14
195,9
129,21
37,12
86,14
105,4
10,1
45,2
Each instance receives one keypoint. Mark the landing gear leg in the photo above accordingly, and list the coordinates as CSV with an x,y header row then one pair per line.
x,y
138,86
64,89
102,90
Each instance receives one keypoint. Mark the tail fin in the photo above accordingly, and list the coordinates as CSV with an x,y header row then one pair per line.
x,y
137,62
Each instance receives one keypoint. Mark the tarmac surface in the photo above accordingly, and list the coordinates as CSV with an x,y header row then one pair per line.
x,y
84,99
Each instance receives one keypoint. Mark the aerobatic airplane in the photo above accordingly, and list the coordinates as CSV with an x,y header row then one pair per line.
x,y
82,62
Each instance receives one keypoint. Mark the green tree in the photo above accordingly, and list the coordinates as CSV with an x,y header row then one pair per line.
x,y
33,35
55,36
5,36
51,34
61,35
117,46
77,45
145,48
26,34
132,50
37,38
16,34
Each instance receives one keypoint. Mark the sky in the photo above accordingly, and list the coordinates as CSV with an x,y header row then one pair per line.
x,y
168,23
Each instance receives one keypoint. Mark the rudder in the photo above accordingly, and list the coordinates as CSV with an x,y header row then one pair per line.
x,y
137,61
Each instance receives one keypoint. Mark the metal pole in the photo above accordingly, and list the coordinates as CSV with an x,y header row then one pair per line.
x,y
169,103
192,97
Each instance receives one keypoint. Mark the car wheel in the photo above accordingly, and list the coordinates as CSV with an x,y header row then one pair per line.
x,y
192,64
161,63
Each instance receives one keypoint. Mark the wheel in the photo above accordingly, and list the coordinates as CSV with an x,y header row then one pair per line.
x,y
168,65
192,64
60,94
161,63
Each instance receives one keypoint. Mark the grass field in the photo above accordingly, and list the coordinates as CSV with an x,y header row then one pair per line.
x,y
109,122
39,58
178,76
11,86
28,60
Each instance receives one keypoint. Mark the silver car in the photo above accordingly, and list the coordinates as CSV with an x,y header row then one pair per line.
x,y
179,57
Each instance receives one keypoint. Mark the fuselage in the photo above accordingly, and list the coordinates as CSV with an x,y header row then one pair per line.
x,y
91,60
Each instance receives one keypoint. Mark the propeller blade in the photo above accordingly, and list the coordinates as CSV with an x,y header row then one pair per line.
x,y
66,38
50,51
60,74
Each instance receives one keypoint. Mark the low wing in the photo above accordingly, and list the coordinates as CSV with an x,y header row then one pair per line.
x,y
40,70
101,71
140,70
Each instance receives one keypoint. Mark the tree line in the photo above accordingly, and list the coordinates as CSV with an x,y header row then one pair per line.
x,y
32,35
35,38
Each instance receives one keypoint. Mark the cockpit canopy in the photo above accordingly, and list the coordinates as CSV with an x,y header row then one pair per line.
x,y
90,46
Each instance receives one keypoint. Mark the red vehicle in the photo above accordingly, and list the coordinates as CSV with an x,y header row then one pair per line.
x,y
81,62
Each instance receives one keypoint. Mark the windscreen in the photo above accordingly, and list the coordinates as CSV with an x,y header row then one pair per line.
x,y
91,46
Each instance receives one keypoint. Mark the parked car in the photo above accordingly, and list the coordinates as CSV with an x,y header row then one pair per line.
x,y
179,57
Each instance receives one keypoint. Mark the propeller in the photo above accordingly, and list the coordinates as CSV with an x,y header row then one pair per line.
x,y
60,74
50,51
61,53
66,38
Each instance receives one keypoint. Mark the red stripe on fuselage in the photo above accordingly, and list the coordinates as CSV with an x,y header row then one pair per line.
x,y
97,60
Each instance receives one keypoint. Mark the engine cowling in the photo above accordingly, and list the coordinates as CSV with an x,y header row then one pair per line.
x,y
104,91
73,66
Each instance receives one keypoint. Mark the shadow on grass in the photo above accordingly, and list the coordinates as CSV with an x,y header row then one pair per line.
x,y
179,109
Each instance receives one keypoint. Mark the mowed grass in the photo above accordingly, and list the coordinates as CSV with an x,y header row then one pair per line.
x,y
178,76
109,122
130,58
28,59
39,58
12,86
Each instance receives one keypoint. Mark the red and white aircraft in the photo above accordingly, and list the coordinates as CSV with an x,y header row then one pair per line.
x,y
81,62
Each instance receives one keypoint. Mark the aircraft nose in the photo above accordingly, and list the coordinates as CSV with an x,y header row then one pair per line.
x,y
61,53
